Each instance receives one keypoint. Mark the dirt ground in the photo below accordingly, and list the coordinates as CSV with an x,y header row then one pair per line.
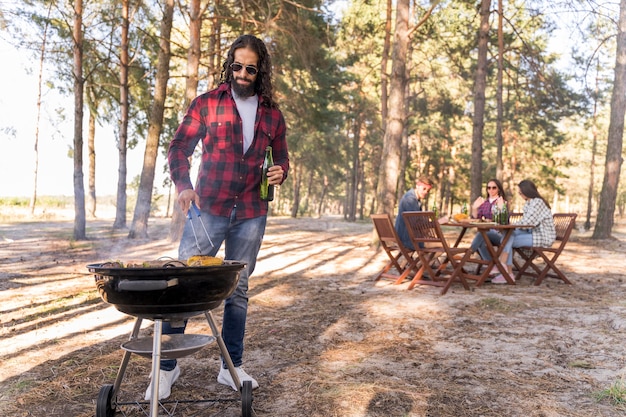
x,y
323,338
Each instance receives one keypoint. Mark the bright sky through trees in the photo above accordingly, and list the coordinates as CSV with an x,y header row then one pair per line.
x,y
18,107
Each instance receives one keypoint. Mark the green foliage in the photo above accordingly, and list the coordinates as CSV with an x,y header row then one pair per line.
x,y
328,80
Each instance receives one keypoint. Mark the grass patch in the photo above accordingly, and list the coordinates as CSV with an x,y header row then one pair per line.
x,y
42,201
616,394
19,386
495,304
581,364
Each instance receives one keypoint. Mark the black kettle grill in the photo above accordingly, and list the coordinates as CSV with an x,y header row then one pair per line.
x,y
172,291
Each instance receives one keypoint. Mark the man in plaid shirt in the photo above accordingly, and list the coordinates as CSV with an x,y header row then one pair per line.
x,y
234,124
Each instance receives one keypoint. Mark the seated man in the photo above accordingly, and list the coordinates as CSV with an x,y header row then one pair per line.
x,y
412,200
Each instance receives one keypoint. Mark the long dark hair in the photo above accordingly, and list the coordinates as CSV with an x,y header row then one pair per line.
x,y
529,189
263,83
500,188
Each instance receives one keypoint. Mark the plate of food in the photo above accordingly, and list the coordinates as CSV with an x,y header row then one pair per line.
x,y
460,217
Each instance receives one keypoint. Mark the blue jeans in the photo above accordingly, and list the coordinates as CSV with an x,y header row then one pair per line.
x,y
242,240
520,238
478,244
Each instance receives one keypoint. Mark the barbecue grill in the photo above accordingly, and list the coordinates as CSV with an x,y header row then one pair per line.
x,y
172,291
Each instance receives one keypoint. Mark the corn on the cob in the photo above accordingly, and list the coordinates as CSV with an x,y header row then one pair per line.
x,y
203,260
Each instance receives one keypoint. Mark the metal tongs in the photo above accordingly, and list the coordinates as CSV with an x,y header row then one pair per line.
x,y
193,229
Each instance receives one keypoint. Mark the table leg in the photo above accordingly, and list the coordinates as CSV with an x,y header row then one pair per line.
x,y
458,239
495,256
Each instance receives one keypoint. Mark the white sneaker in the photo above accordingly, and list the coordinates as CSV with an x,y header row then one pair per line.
x,y
166,380
225,378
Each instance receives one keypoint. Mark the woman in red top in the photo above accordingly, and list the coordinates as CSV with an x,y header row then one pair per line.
x,y
482,209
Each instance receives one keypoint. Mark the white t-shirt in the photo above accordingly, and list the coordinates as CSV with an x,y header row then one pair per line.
x,y
247,107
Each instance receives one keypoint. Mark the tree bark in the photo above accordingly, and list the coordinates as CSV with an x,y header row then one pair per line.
x,y
79,187
122,170
390,162
33,197
499,99
354,171
478,122
594,149
294,172
91,152
191,89
614,160
383,64
139,227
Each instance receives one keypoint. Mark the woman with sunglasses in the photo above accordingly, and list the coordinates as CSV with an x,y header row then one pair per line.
x,y
233,124
483,209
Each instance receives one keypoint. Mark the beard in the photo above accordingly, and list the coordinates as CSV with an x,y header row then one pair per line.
x,y
242,90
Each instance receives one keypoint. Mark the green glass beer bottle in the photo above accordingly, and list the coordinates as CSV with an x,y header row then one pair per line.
x,y
267,190
504,215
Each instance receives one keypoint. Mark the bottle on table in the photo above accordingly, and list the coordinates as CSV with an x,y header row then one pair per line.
x,y
504,214
267,189
495,213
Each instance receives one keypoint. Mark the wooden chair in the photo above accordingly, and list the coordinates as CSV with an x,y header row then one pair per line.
x,y
434,253
564,224
401,259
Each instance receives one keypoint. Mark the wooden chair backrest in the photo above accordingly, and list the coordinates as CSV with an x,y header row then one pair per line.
x,y
387,232
424,229
564,224
514,217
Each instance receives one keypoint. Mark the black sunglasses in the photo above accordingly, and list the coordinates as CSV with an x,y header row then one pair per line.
x,y
489,187
250,69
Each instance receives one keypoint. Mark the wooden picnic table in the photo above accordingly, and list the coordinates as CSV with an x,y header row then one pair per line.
x,y
506,230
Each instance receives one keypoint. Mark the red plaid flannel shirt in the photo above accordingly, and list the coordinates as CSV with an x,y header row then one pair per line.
x,y
226,176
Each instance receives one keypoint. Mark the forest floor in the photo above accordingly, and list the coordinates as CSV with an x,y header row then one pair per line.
x,y
323,338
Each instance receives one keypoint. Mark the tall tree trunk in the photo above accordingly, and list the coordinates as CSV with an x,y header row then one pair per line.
x,y
392,141
478,122
396,120
215,47
191,89
79,187
500,105
614,160
295,175
404,146
193,54
354,173
91,154
320,204
383,64
139,227
594,149
33,197
362,188
121,200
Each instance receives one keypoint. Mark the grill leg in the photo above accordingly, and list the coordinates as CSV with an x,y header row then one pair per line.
x,y
156,365
222,345
122,370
